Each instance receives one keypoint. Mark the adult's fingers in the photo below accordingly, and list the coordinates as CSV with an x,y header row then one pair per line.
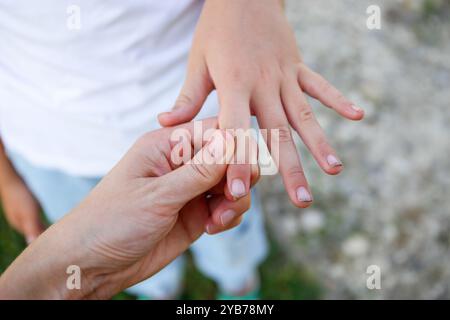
x,y
161,151
222,187
302,119
224,212
203,172
317,87
214,229
197,133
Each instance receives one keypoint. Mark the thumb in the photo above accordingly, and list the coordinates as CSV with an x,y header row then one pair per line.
x,y
196,89
203,171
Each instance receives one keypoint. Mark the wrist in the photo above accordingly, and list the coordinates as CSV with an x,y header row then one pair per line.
x,y
218,12
246,3
56,266
77,275
74,237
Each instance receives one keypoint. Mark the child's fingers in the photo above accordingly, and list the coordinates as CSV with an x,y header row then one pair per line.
x,y
196,89
304,122
235,115
238,180
222,188
246,157
224,213
271,116
317,87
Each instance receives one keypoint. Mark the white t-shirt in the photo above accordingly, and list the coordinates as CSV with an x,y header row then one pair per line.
x,y
81,80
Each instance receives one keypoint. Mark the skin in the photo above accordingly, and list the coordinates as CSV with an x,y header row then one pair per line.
x,y
142,215
247,52
19,205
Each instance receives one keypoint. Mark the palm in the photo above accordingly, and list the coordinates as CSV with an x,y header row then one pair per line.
x,y
185,227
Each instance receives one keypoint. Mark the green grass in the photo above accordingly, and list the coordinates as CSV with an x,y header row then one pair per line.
x,y
281,279
11,243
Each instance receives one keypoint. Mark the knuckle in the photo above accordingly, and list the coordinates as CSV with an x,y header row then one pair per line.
x,y
284,133
306,115
235,77
236,74
200,171
295,172
265,74
269,75
183,100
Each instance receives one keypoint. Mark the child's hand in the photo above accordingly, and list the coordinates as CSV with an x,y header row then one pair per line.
x,y
21,209
247,51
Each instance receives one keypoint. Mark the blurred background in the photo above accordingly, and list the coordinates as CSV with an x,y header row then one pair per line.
x,y
391,205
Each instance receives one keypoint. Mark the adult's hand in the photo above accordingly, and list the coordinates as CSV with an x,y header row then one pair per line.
x,y
246,51
142,215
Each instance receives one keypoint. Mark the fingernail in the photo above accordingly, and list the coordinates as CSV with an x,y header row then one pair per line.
x,y
30,239
215,146
227,217
303,195
238,188
164,113
333,161
211,228
356,108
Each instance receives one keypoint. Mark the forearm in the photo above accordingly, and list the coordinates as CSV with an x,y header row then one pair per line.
x,y
40,271
220,4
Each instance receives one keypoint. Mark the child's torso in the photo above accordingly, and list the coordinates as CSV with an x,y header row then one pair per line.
x,y
88,78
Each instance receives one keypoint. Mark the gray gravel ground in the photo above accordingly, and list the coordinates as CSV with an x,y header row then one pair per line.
x,y
391,205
